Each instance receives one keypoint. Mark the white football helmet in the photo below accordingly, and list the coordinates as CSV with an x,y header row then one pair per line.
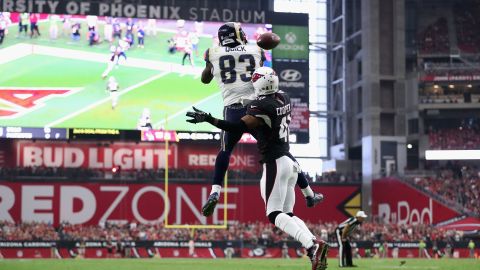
x,y
265,81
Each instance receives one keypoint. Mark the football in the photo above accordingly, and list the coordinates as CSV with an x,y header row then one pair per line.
x,y
268,41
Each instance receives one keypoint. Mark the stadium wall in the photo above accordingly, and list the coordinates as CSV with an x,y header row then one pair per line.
x,y
208,249
396,202
92,204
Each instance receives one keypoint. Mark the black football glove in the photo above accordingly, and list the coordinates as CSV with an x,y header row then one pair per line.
x,y
198,116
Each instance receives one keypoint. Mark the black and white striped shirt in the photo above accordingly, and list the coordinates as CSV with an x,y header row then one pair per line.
x,y
353,224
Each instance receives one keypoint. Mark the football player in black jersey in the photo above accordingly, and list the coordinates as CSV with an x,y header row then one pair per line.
x,y
269,117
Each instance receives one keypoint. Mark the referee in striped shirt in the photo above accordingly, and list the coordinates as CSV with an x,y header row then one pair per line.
x,y
343,231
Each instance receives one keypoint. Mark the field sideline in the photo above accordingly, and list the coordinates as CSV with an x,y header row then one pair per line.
x,y
237,264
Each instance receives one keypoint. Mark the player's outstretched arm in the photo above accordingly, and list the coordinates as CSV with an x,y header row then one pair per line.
x,y
246,123
207,73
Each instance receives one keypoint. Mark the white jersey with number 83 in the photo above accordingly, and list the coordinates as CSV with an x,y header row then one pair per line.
x,y
233,69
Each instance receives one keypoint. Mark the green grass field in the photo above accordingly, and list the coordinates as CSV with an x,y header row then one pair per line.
x,y
151,78
237,264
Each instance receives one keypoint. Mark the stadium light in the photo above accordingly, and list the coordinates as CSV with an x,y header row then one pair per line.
x,y
452,154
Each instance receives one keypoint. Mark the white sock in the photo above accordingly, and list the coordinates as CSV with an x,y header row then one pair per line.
x,y
216,188
287,224
308,192
304,227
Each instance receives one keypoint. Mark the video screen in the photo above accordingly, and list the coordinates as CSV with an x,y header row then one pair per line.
x,y
63,71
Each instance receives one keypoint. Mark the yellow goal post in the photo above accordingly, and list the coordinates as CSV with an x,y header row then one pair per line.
x,y
190,226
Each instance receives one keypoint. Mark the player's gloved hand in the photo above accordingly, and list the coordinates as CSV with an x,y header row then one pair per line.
x,y
198,116
209,207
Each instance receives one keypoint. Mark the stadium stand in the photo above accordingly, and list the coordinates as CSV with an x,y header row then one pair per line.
x,y
458,187
459,138
434,39
250,232
467,27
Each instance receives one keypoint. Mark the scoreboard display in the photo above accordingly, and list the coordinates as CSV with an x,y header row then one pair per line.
x,y
59,79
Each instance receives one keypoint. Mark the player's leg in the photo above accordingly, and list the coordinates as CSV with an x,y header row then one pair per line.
x,y
318,252
273,187
109,69
289,204
184,57
311,197
114,96
228,142
340,248
348,254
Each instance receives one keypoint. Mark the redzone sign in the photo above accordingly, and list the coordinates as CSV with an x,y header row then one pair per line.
x,y
90,155
396,202
98,203
196,156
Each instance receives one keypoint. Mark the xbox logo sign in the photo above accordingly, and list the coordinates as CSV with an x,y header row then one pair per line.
x,y
290,37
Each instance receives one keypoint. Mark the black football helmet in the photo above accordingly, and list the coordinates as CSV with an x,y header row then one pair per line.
x,y
231,35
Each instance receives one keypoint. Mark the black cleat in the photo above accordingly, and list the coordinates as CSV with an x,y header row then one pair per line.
x,y
318,255
316,199
209,207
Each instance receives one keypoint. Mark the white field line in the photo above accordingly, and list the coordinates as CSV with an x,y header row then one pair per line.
x,y
104,58
14,52
126,90
159,123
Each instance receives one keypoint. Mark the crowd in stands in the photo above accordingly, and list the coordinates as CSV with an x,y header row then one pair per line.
x,y
459,185
467,27
46,173
250,232
83,174
434,39
335,178
463,137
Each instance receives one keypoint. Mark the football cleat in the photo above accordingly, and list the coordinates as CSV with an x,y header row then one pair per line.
x,y
318,254
316,199
209,207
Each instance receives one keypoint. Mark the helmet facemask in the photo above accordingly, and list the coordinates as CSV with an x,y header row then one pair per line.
x,y
265,81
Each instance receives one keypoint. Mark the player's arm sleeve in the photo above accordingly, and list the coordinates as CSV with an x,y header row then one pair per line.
x,y
263,58
344,232
251,120
235,127
258,111
207,73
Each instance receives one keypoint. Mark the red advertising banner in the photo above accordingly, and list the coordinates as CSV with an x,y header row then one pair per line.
x,y
202,156
450,78
396,202
98,203
129,156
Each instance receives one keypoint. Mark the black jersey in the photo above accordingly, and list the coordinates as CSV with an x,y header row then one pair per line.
x,y
272,138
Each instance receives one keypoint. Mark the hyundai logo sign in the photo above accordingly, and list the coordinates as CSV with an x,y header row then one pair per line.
x,y
290,75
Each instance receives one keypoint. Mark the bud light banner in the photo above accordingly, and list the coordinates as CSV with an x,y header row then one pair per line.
x,y
128,156
293,79
397,202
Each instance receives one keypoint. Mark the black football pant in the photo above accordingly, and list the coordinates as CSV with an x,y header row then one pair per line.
x,y
344,251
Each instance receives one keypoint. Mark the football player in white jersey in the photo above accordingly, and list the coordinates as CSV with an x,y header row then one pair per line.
x,y
232,64
113,88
